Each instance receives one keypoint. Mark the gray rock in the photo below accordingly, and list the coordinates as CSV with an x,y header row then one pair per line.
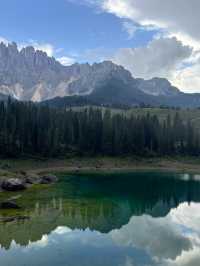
x,y
48,179
23,173
36,179
32,179
32,75
158,87
13,184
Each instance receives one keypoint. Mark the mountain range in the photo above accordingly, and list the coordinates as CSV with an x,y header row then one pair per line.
x,y
30,75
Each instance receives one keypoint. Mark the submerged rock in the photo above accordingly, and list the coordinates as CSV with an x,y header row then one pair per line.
x,y
13,219
13,184
8,204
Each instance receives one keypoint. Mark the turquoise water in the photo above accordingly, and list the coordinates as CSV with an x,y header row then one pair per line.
x,y
105,220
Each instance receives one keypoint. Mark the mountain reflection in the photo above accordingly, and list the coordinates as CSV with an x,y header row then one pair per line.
x,y
106,204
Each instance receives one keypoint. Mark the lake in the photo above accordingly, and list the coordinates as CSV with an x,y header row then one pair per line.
x,y
133,219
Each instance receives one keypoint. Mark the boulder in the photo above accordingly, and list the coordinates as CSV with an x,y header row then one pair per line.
x,y
13,184
48,179
32,179
23,173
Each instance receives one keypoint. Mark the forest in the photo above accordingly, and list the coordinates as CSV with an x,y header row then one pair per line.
x,y
28,129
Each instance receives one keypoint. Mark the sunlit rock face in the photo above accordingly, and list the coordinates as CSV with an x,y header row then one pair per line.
x,y
32,75
158,87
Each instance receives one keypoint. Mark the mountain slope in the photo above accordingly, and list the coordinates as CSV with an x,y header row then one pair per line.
x,y
158,87
116,94
32,75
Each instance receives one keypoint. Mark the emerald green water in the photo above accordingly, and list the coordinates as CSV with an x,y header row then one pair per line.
x,y
135,219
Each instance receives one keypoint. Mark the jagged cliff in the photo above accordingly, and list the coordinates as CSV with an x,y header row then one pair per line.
x,y
28,74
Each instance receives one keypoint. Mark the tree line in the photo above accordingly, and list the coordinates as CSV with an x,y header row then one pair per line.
x,y
32,129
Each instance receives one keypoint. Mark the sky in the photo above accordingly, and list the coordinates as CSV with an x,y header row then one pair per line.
x,y
150,38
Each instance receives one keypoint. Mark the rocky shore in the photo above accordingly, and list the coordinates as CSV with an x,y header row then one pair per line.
x,y
23,181
20,182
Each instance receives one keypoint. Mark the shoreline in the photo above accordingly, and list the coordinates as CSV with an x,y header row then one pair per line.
x,y
104,170
23,174
102,165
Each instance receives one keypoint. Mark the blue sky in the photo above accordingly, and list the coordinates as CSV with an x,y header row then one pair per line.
x,y
148,37
73,29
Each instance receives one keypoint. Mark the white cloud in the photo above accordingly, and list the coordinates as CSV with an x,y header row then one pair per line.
x,y
188,218
130,28
4,40
164,58
187,79
173,18
161,57
148,236
187,258
173,240
179,17
45,47
66,61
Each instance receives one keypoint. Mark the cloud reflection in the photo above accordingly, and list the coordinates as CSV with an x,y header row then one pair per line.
x,y
173,240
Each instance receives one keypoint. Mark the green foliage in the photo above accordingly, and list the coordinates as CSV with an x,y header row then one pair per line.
x,y
30,129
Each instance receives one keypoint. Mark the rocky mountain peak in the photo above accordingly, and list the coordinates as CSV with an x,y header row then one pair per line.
x,y
30,74
12,48
27,51
158,87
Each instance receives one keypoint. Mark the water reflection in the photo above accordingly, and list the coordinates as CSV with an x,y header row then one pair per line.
x,y
138,219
